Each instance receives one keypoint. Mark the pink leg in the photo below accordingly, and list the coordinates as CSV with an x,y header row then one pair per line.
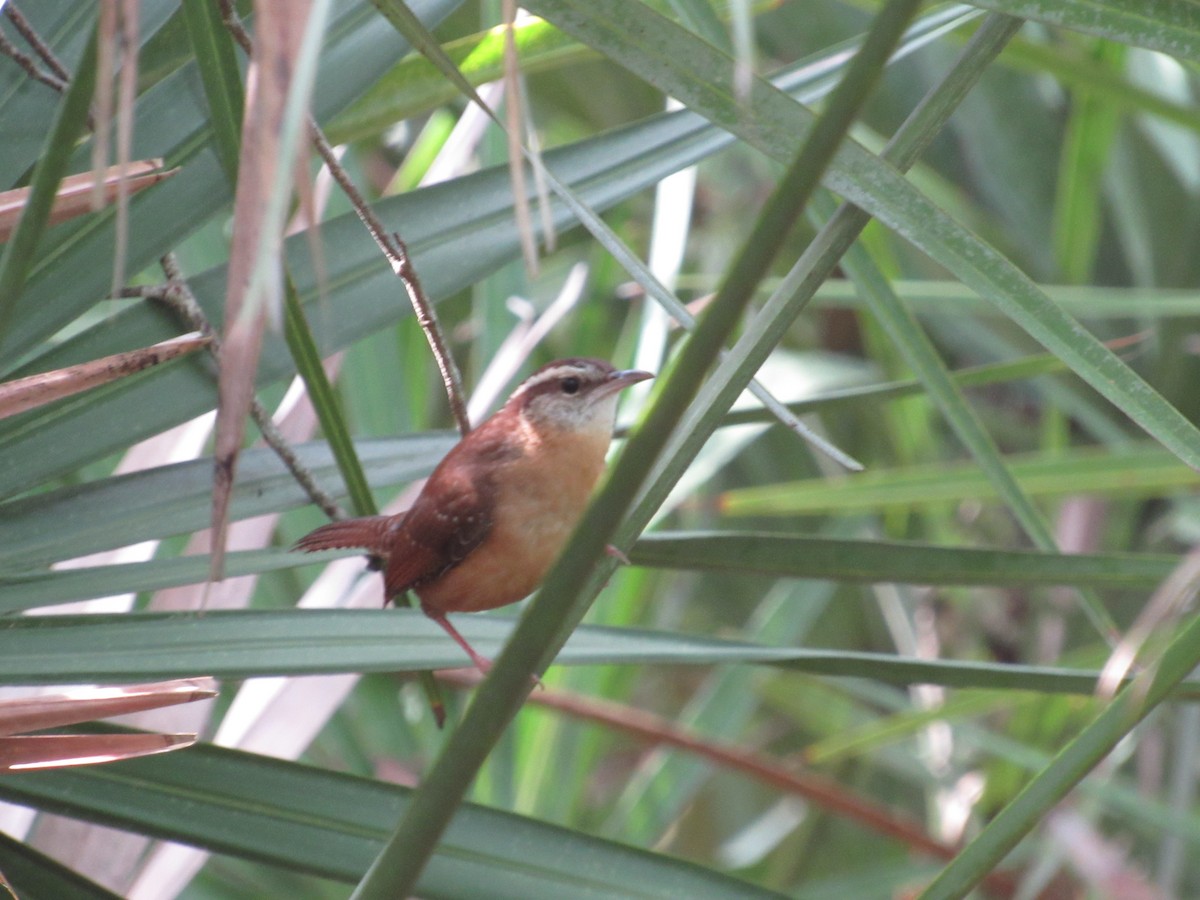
x,y
482,663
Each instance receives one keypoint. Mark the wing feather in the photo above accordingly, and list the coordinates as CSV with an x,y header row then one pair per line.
x,y
451,518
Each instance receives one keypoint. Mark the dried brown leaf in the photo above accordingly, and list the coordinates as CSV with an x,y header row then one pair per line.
x,y
55,751
74,197
279,30
23,394
85,704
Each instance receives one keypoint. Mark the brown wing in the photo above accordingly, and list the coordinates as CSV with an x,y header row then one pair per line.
x,y
450,519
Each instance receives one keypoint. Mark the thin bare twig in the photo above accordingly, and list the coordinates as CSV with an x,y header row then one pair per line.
x,y
35,41
391,245
396,252
144,292
233,23
29,64
178,296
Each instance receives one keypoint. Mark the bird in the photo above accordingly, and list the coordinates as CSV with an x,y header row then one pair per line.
x,y
497,510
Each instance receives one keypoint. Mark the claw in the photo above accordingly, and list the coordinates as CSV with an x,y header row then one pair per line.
x,y
482,663
617,554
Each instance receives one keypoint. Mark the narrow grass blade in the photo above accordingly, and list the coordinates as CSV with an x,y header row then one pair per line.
x,y
1143,471
906,562
307,358
217,61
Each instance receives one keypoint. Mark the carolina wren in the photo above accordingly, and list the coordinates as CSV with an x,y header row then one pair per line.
x,y
495,513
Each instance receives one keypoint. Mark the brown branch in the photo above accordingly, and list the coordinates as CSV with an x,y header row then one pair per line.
x,y
401,262
178,296
144,292
29,64
390,244
233,23
35,41
396,252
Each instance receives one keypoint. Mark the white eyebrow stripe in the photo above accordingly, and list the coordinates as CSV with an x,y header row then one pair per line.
x,y
548,375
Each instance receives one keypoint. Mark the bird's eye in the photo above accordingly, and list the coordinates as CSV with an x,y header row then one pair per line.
x,y
570,385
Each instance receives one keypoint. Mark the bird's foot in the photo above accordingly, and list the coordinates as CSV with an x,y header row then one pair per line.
x,y
617,554
482,663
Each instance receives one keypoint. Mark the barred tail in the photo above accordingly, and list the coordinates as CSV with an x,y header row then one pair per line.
x,y
368,533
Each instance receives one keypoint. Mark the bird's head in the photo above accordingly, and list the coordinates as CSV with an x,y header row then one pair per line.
x,y
577,395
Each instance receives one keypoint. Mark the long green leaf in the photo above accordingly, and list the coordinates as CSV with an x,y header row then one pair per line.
x,y
772,322
1170,26
917,349
1086,153
245,644
1145,471
416,86
27,589
172,499
307,357
217,62
749,553
951,299
791,556
34,875
1089,78
330,824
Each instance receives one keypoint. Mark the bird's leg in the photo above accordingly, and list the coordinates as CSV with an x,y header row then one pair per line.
x,y
482,663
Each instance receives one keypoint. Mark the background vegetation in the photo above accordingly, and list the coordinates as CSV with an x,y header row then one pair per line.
x,y
811,682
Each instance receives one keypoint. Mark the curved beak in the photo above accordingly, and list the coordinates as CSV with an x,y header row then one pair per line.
x,y
621,379
630,376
